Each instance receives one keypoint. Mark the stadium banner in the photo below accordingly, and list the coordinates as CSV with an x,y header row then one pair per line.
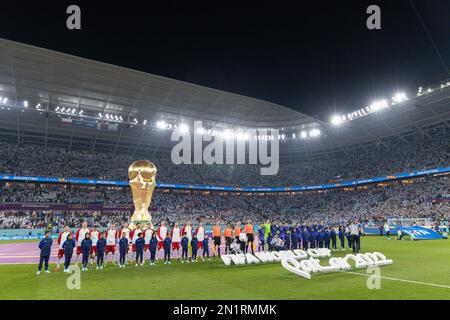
x,y
66,207
352,183
420,233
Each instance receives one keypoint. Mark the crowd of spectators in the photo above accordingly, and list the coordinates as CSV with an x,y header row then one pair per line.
x,y
378,161
424,197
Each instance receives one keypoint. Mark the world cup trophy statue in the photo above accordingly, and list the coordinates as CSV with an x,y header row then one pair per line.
x,y
142,175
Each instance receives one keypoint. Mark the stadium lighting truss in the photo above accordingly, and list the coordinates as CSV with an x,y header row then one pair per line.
x,y
303,132
382,104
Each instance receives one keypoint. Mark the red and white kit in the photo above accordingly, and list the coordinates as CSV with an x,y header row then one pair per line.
x,y
127,234
94,237
110,236
175,234
188,230
200,232
134,235
147,236
80,235
161,234
61,239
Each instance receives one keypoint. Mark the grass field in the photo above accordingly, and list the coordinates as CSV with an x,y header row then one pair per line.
x,y
425,262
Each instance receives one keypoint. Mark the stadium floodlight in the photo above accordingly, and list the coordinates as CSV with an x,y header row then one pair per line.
x,y
144,122
293,135
57,108
120,118
200,131
429,90
378,105
25,104
282,136
38,106
161,124
336,120
399,97
5,100
303,134
314,133
100,115
227,134
183,128
80,112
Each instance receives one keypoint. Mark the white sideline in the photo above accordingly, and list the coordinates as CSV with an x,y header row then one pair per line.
x,y
402,280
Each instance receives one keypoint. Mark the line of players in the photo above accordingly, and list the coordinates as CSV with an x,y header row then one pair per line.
x,y
92,244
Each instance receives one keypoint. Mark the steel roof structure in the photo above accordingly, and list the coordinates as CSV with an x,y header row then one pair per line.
x,y
45,79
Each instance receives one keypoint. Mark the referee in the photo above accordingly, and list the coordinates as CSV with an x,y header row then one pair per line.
x,y
354,236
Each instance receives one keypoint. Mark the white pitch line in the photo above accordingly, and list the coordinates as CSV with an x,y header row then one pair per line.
x,y
402,280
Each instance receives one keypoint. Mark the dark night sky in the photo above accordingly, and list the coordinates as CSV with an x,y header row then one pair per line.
x,y
315,58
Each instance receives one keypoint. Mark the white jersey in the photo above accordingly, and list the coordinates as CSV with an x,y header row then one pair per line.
x,y
176,234
148,235
94,237
161,233
136,235
386,228
110,236
127,233
81,234
188,230
200,233
62,238
354,230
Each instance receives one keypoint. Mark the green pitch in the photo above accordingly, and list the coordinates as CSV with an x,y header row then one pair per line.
x,y
423,262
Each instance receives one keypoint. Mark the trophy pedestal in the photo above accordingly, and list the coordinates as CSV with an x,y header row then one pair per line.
x,y
133,224
140,218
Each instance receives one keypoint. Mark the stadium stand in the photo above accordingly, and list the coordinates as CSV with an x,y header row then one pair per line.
x,y
56,130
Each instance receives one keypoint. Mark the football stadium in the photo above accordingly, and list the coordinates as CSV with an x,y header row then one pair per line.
x,y
91,189
71,128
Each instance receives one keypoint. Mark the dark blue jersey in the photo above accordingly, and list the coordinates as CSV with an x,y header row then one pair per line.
x,y
184,242
298,233
205,244
153,244
167,243
101,245
46,246
86,245
333,234
194,244
68,246
123,244
305,235
140,242
261,234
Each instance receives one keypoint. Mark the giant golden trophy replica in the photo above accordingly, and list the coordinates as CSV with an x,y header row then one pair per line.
x,y
142,175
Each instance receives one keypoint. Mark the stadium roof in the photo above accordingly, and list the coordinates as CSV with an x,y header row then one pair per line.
x,y
49,79
60,79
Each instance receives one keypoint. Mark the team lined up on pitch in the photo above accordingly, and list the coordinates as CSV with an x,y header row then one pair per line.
x,y
94,245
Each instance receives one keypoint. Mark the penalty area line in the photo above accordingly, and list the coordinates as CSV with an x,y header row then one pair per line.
x,y
401,280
